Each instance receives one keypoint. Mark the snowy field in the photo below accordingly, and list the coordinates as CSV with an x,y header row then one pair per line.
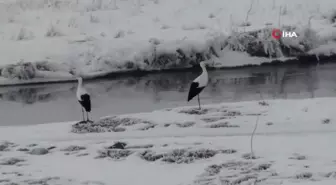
x,y
53,40
293,145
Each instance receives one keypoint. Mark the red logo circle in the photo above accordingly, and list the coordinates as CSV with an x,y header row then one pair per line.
x,y
276,33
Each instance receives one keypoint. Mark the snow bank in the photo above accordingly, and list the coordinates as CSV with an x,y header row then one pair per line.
x,y
57,40
235,118
292,146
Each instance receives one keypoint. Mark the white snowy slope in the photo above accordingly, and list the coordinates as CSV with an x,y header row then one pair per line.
x,y
293,145
55,40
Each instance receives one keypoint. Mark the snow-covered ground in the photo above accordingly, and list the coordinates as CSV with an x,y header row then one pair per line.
x,y
43,40
293,145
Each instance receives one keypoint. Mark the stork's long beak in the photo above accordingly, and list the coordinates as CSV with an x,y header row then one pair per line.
x,y
207,62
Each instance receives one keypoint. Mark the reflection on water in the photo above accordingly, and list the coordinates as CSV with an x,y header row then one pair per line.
x,y
57,102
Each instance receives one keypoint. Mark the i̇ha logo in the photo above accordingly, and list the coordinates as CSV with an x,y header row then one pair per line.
x,y
277,34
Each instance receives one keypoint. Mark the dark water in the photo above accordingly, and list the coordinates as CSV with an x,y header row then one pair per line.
x,y
38,104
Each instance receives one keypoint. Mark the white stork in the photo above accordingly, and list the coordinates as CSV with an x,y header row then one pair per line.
x,y
199,84
83,98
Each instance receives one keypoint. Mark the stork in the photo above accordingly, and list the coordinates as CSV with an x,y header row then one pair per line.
x,y
198,84
83,98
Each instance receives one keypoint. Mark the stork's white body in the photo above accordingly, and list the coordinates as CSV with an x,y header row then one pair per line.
x,y
202,79
80,89
83,98
199,84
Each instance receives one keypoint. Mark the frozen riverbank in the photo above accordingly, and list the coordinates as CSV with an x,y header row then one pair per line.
x,y
292,146
55,41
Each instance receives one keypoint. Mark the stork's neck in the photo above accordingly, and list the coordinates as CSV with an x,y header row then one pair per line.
x,y
80,82
204,70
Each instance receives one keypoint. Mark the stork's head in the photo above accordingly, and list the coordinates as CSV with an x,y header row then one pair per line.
x,y
202,64
79,79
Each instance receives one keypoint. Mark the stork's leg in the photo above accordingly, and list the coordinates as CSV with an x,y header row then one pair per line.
x,y
83,114
87,116
199,104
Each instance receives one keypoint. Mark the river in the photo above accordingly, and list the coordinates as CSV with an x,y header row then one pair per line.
x,y
37,104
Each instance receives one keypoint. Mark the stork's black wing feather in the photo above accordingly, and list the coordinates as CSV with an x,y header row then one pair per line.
x,y
86,102
194,90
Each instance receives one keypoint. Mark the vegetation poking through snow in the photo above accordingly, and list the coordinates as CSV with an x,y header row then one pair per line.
x,y
109,124
249,156
73,148
304,175
21,71
11,161
5,146
213,119
298,157
140,146
53,32
118,145
150,155
255,43
326,121
185,156
186,124
195,111
263,103
332,17
179,155
229,151
223,125
147,53
236,172
114,154
23,149
24,34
